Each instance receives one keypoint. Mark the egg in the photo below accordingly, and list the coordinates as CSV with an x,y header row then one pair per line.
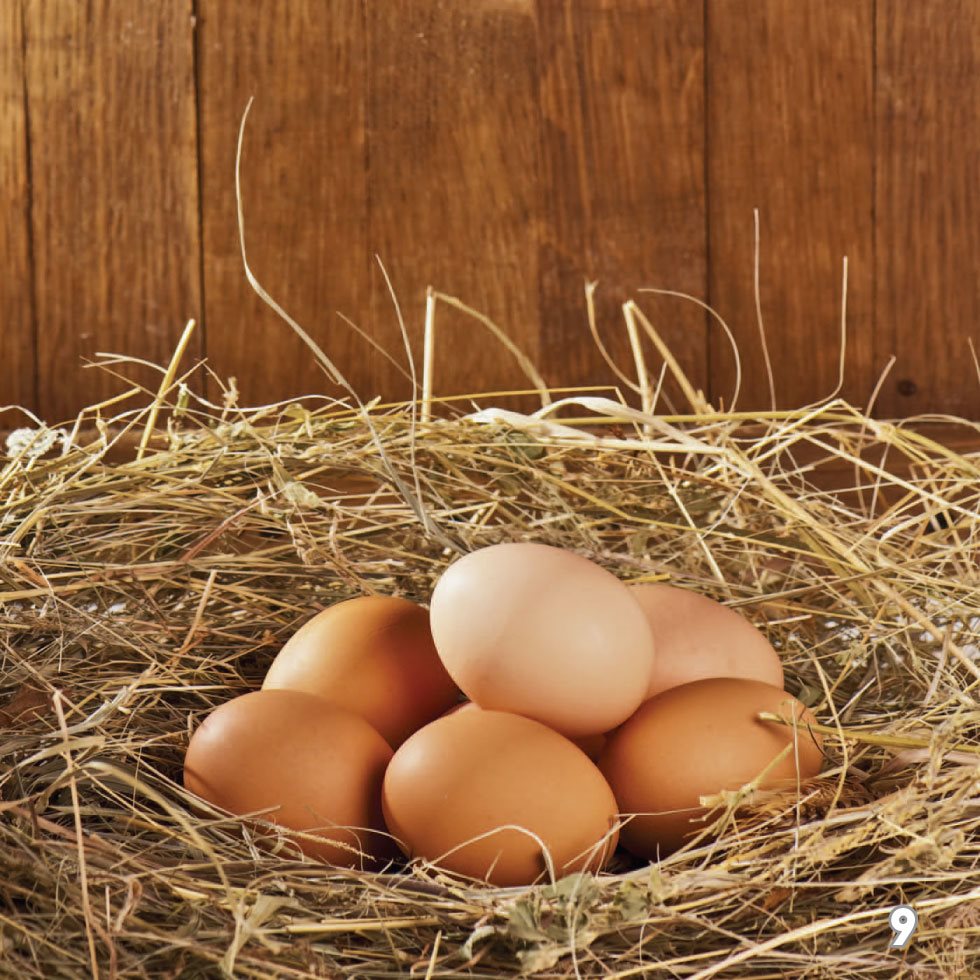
x,y
480,793
591,745
696,740
318,766
373,655
697,637
544,633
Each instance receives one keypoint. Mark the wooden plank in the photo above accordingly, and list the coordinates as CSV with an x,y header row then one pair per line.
x,y
622,105
452,144
790,132
927,204
17,379
113,152
304,190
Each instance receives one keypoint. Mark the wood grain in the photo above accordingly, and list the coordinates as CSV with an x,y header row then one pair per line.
x,y
790,132
112,134
452,150
928,205
17,379
304,190
622,109
504,151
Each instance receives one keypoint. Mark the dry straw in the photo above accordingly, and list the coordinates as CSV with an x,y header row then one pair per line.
x,y
152,563
141,586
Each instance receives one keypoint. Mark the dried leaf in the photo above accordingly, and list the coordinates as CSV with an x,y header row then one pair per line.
x,y
28,703
539,958
522,922
301,496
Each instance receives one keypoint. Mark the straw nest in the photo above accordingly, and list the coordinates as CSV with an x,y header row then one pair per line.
x,y
141,588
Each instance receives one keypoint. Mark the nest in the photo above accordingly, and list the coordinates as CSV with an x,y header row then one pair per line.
x,y
143,586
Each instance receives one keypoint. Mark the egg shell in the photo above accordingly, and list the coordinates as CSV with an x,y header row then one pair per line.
x,y
373,655
320,766
543,633
457,789
696,638
591,745
696,740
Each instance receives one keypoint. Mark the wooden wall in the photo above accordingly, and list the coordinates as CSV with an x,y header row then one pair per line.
x,y
504,151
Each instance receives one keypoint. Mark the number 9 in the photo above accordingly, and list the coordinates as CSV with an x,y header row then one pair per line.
x,y
903,920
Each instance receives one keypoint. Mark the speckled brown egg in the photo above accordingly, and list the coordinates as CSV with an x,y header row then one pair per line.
x,y
373,655
486,793
694,741
697,637
317,768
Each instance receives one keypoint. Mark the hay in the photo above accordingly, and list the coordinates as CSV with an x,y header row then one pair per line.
x,y
152,563
141,588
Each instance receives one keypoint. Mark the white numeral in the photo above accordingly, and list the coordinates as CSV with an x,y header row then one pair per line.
x,y
903,920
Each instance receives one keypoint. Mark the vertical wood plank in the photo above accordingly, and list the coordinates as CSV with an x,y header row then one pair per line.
x,y
114,168
790,132
17,377
928,206
304,190
622,101
452,148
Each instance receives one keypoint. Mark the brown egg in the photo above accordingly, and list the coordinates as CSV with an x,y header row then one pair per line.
x,y
374,655
318,765
697,637
697,740
456,792
543,633
591,745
